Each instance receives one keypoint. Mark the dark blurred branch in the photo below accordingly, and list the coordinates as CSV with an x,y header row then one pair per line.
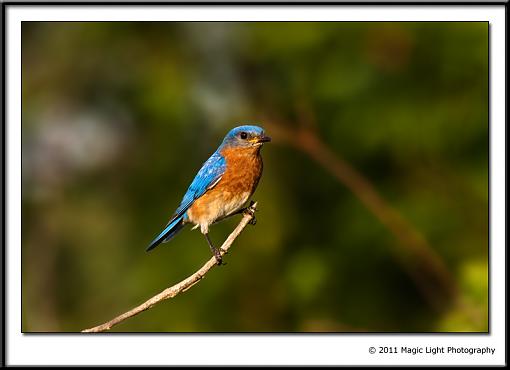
x,y
184,284
419,259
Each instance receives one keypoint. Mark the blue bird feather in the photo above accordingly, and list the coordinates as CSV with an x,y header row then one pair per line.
x,y
208,176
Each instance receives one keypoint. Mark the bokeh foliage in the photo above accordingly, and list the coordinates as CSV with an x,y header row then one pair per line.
x,y
119,116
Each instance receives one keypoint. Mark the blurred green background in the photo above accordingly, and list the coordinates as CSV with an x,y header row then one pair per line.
x,y
373,206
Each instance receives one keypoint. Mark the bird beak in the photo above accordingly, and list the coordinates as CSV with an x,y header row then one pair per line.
x,y
264,139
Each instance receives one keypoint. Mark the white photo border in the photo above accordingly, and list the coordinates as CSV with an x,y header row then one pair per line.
x,y
251,349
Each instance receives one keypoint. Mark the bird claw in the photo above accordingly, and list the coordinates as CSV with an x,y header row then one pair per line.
x,y
251,212
219,260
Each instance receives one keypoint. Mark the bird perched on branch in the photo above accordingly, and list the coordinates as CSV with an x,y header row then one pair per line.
x,y
222,186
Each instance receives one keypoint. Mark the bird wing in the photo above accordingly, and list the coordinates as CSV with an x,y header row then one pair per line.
x,y
208,176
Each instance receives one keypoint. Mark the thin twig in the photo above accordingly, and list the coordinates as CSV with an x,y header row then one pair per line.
x,y
184,284
423,264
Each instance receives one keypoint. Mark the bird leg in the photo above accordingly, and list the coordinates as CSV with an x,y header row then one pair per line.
x,y
214,251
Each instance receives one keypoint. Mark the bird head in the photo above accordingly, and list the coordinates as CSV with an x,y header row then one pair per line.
x,y
246,137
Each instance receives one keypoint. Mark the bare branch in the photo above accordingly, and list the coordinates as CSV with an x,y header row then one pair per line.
x,y
418,258
184,284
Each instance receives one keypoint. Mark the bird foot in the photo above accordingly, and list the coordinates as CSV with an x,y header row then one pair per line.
x,y
251,211
219,260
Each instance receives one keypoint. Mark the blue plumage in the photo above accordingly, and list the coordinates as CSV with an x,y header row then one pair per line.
x,y
207,177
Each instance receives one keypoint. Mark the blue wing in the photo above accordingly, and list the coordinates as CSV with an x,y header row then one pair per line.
x,y
208,176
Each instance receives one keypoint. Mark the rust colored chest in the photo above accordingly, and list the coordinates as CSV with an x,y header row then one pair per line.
x,y
244,168
241,177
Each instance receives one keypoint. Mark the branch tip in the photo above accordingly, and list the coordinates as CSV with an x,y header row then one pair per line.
x,y
185,284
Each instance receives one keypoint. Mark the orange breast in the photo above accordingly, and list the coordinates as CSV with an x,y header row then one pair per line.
x,y
241,177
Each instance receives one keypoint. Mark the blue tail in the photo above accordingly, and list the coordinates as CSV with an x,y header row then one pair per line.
x,y
168,233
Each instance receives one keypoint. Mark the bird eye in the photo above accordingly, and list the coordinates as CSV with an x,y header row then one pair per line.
x,y
243,135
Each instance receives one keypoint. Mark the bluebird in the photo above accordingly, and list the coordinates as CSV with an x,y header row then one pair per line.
x,y
222,186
